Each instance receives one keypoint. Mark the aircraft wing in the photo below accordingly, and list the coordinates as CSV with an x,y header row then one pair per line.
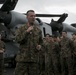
x,y
9,5
47,15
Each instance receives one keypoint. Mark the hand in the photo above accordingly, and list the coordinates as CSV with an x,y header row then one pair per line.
x,y
38,47
30,29
1,51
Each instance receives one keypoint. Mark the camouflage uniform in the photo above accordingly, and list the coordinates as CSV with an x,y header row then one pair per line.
x,y
66,56
74,57
28,56
48,58
56,58
1,57
42,61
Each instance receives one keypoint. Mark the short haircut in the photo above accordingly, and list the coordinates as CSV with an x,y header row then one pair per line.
x,y
64,31
29,11
47,34
55,36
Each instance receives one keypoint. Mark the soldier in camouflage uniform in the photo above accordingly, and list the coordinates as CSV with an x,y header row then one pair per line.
x,y
2,47
47,46
66,55
56,56
74,53
42,61
29,36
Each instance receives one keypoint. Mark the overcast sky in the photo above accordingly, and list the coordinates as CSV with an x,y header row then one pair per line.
x,y
49,7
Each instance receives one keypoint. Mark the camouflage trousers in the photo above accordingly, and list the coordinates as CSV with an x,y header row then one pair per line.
x,y
26,68
1,64
56,64
48,64
49,68
66,66
74,64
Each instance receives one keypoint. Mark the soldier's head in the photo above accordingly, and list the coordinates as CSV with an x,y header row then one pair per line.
x,y
74,36
44,40
30,16
56,38
51,38
64,34
47,36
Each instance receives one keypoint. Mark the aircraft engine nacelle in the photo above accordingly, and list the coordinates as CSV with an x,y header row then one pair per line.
x,y
68,28
45,28
56,26
17,18
12,19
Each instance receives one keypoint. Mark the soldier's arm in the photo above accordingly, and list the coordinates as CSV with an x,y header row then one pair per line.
x,y
40,41
74,45
21,34
2,50
71,46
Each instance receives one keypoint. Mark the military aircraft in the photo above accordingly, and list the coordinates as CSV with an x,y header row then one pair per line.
x,y
11,20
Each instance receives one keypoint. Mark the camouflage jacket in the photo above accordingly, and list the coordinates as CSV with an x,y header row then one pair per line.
x,y
66,47
74,45
28,43
56,49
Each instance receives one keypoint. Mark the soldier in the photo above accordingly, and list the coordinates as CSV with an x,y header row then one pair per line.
x,y
42,55
29,36
56,56
2,47
74,53
66,55
48,45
